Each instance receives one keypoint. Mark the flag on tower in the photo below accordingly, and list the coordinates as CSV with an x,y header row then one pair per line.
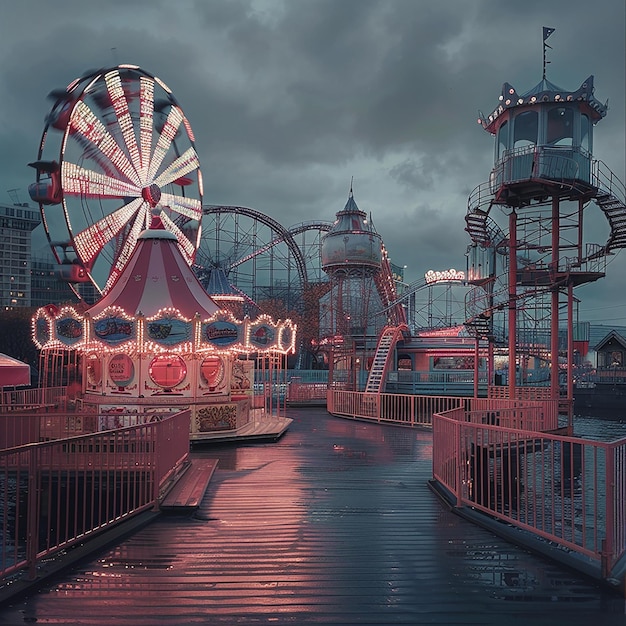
x,y
547,32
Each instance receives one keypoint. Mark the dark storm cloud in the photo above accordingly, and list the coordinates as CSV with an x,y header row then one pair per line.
x,y
289,100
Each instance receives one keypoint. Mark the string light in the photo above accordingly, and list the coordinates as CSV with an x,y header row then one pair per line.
x,y
114,330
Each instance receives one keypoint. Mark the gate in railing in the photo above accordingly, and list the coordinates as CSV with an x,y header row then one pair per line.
x,y
56,493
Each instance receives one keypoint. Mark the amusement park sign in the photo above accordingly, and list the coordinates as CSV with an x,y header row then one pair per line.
x,y
446,276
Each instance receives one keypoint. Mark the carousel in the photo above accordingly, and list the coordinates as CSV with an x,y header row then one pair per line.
x,y
120,192
157,342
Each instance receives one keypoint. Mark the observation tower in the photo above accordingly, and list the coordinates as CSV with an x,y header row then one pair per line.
x,y
527,225
352,256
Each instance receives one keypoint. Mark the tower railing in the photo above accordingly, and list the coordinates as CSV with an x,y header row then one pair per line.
x,y
601,176
566,165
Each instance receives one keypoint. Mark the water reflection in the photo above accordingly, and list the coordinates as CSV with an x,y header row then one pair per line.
x,y
601,426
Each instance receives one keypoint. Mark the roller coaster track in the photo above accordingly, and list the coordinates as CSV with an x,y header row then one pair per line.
x,y
386,287
284,233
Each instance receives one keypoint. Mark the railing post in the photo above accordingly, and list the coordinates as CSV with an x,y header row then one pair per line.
x,y
32,523
155,463
457,455
608,543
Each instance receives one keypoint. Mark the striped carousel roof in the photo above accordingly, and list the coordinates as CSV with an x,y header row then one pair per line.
x,y
157,277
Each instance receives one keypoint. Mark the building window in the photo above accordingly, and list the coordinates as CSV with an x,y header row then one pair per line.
x,y
560,127
525,129
503,139
585,134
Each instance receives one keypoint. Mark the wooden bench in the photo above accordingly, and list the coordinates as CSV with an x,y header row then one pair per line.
x,y
189,489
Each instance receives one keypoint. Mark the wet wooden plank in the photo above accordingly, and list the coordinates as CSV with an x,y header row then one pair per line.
x,y
268,428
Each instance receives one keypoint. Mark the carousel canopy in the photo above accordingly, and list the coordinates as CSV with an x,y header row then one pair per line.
x,y
13,373
156,277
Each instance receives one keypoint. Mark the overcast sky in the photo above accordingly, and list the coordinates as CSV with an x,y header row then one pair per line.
x,y
290,99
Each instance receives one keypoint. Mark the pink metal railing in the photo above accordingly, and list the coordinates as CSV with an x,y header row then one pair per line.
x,y
417,410
498,456
56,493
306,392
28,399
567,490
404,409
529,414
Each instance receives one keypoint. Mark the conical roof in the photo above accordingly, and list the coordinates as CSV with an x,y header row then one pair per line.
x,y
229,297
157,277
218,285
352,242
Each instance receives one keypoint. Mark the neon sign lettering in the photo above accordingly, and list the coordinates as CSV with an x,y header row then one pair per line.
x,y
446,276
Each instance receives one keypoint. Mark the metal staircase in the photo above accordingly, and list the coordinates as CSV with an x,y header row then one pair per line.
x,y
482,229
389,337
611,198
615,211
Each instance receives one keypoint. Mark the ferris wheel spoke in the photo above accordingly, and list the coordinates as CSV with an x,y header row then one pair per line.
x,y
189,207
167,136
121,129
185,163
188,247
126,250
120,106
90,242
79,181
146,123
96,137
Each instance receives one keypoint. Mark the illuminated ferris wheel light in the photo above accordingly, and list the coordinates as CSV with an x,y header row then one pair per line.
x,y
122,148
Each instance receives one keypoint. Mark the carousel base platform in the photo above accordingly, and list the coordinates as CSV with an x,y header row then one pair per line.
x,y
267,428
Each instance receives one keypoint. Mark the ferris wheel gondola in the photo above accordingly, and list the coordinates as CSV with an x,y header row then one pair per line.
x,y
116,152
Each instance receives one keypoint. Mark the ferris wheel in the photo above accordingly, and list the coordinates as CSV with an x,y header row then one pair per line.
x,y
116,152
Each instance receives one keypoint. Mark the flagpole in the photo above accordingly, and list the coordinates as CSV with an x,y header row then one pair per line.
x,y
546,33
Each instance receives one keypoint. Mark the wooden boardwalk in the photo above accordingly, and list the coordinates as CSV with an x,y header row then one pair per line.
x,y
332,524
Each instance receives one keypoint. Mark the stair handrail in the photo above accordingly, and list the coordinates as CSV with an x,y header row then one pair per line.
x,y
481,196
396,332
606,181
494,233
